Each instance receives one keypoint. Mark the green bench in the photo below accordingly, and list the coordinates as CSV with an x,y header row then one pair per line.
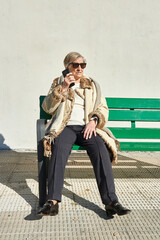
x,y
130,110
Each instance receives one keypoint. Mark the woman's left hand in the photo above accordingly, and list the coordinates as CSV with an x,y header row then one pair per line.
x,y
89,129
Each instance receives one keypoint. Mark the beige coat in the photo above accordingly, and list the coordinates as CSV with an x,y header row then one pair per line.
x,y
60,107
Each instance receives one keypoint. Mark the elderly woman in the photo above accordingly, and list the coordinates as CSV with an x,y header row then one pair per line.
x,y
79,116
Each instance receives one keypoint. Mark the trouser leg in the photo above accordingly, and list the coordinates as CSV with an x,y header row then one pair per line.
x,y
99,156
61,150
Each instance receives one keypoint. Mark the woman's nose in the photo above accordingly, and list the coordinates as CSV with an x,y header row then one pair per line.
x,y
79,67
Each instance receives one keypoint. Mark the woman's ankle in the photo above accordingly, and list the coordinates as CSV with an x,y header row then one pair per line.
x,y
54,201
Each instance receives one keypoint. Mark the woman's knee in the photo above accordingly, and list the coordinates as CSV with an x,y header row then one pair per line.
x,y
96,145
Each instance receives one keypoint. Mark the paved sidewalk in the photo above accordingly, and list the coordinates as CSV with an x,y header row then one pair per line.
x,y
82,215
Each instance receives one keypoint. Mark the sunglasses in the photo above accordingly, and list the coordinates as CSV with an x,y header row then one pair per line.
x,y
76,65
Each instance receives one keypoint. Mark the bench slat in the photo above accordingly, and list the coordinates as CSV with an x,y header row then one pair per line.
x,y
136,133
135,115
122,103
139,146
135,103
76,147
122,115
132,146
43,114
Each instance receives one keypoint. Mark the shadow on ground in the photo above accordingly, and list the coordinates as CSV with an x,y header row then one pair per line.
x,y
3,145
18,169
79,167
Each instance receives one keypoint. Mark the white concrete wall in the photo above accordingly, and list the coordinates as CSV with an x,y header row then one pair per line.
x,y
119,38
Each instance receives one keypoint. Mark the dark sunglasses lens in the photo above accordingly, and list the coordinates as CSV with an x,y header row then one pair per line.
x,y
76,65
83,65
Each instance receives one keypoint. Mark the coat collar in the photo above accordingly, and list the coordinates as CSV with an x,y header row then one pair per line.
x,y
85,83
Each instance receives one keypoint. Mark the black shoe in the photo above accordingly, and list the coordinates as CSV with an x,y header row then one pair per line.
x,y
116,208
46,209
54,209
49,209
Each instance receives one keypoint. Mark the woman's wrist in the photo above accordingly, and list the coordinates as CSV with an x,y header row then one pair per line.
x,y
95,119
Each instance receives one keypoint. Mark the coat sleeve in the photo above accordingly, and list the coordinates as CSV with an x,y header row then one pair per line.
x,y
101,112
53,99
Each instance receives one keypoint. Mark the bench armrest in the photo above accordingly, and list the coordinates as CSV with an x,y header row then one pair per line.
x,y
40,129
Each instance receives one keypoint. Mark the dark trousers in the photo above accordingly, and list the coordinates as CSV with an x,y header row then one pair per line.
x,y
98,154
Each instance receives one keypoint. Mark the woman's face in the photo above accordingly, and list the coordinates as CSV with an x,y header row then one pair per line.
x,y
77,72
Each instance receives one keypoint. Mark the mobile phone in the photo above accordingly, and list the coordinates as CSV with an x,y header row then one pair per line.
x,y
65,72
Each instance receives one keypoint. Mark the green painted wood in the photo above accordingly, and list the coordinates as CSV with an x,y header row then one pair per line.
x,y
139,146
133,124
135,103
43,114
76,147
132,146
129,115
136,115
118,114
136,133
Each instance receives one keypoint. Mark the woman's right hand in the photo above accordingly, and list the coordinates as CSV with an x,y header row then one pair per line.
x,y
69,78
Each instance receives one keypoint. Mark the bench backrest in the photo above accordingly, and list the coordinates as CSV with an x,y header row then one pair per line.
x,y
132,110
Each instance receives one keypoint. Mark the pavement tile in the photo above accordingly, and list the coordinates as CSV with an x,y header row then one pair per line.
x,y
82,215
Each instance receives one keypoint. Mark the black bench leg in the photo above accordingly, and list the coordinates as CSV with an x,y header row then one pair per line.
x,y
41,174
41,162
